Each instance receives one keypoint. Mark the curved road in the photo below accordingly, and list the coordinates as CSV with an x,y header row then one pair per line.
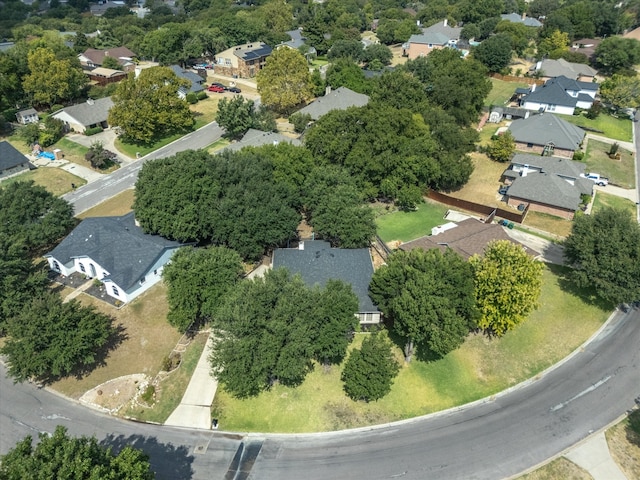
x,y
494,439
125,177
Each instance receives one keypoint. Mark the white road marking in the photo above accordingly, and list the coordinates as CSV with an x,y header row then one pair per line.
x,y
584,392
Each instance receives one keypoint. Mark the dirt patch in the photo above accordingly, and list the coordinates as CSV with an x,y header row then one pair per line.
x,y
111,396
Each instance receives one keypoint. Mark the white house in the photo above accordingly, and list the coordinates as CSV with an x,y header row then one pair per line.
x,y
115,251
80,117
560,95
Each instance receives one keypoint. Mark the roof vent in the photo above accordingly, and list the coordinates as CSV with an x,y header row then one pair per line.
x,y
90,101
301,246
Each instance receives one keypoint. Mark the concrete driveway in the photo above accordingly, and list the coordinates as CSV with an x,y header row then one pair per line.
x,y
106,137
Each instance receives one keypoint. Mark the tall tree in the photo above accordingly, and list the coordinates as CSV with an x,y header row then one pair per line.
x,y
148,107
502,147
343,72
285,81
370,370
604,249
236,116
198,280
49,339
621,91
430,298
494,52
617,55
59,456
507,286
51,80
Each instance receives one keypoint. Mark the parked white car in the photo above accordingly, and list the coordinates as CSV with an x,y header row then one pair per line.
x,y
596,178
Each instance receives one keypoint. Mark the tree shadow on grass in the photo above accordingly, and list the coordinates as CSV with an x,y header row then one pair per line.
x,y
168,461
588,295
421,351
633,428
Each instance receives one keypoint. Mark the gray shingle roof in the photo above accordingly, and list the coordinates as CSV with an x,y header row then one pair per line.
x,y
545,128
258,138
559,166
546,188
551,94
10,157
89,113
117,245
516,18
556,68
317,263
339,99
194,79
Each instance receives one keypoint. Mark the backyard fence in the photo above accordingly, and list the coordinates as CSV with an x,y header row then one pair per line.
x,y
489,212
513,78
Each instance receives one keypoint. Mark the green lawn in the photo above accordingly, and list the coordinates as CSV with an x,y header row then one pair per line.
x,y
480,368
218,145
54,180
603,200
406,226
131,149
620,172
616,128
501,92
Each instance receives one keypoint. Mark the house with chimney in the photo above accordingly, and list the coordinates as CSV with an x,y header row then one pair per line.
x,y
559,95
436,37
92,58
523,19
90,114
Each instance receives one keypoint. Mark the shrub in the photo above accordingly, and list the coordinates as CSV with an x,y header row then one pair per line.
x,y
613,149
594,111
92,131
634,421
148,394
192,98
300,121
578,156
55,108
202,95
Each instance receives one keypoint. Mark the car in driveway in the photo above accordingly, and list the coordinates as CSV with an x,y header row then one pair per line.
x,y
234,90
596,178
215,88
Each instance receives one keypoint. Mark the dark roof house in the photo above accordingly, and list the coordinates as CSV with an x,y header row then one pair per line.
x,y
92,57
548,134
316,262
115,251
297,40
258,138
12,162
339,99
195,81
560,95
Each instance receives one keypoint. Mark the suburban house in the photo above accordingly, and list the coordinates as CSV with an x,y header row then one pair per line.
x,y
560,95
242,61
92,58
497,114
316,262
586,46
91,114
195,81
467,237
339,99
104,76
115,251
27,116
435,37
547,184
546,134
517,18
297,40
549,68
12,162
258,138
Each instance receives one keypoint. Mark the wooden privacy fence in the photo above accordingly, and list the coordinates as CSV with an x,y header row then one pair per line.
x,y
513,78
489,212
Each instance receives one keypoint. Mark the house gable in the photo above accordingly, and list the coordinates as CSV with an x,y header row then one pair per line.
x,y
258,138
12,161
85,115
545,129
339,99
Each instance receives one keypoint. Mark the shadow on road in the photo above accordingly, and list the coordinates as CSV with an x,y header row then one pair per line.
x,y
167,461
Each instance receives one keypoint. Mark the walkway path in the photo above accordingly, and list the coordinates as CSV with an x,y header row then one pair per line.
x,y
194,410
630,146
79,290
593,455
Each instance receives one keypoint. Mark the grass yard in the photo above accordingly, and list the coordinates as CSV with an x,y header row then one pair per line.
x,y
172,388
612,127
624,445
149,339
218,145
483,185
406,226
560,468
603,200
119,205
17,143
481,367
501,92
548,223
620,172
205,110
54,180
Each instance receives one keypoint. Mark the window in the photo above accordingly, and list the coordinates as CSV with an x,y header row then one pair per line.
x,y
529,145
221,61
82,268
155,272
551,108
56,265
142,280
115,291
227,62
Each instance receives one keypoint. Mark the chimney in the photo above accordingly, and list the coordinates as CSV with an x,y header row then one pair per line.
x,y
533,87
90,101
327,90
524,16
301,246
445,22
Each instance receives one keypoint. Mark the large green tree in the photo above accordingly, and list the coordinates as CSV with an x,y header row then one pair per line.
x,y
285,81
236,116
617,55
148,107
502,147
61,457
621,91
198,280
604,250
49,339
370,370
429,296
507,286
494,52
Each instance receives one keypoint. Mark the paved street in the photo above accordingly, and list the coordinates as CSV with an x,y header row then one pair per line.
x,y
125,177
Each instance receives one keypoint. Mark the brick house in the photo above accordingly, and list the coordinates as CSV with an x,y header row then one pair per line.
x,y
242,61
547,134
435,37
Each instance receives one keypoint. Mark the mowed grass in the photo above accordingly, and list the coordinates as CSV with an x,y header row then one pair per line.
x,y
53,179
620,172
560,468
484,183
501,92
205,110
548,223
604,200
480,368
612,127
121,204
624,445
218,145
406,226
148,340
171,390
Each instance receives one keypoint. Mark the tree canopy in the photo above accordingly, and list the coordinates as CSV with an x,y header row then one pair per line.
x,y
270,329
494,52
429,296
621,91
617,55
59,456
285,81
502,147
604,250
198,280
507,286
148,107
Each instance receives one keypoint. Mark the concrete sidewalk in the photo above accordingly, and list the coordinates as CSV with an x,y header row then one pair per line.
x,y
630,146
593,455
194,410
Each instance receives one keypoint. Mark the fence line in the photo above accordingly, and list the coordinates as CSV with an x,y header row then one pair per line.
x,y
489,212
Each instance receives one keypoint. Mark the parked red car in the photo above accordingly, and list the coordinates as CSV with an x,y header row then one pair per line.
x,y
215,88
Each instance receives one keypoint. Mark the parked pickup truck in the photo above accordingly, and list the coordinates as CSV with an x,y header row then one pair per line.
x,y
596,178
